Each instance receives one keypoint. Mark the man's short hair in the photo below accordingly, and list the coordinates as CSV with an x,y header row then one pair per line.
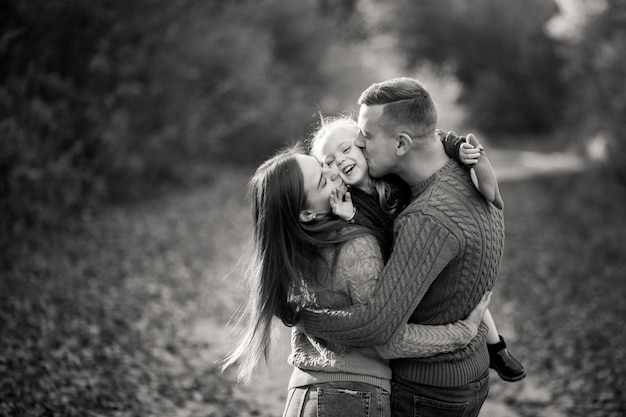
x,y
407,105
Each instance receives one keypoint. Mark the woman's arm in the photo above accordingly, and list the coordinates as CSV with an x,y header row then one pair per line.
x,y
420,341
359,266
423,248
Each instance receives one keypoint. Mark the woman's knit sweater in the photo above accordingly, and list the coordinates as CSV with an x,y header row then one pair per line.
x,y
448,248
358,266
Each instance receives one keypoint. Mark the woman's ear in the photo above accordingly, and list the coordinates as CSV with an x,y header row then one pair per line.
x,y
404,144
306,216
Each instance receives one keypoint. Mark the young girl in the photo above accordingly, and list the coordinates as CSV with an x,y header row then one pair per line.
x,y
374,203
305,256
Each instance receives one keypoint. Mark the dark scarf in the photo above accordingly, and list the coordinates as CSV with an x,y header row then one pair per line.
x,y
369,214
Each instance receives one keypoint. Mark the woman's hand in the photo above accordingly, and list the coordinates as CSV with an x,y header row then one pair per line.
x,y
341,204
476,316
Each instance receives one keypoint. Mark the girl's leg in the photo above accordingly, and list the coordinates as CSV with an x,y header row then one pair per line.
x,y
297,400
493,336
507,367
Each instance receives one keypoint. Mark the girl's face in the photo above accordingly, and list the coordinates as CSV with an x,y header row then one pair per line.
x,y
319,182
339,151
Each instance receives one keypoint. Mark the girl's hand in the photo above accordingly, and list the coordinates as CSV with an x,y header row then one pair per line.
x,y
469,154
476,316
341,204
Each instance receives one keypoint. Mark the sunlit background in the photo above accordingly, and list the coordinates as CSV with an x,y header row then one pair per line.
x,y
128,130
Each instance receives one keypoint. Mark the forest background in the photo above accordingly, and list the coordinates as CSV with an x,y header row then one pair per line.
x,y
118,120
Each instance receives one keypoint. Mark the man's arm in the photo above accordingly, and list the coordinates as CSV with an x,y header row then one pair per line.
x,y
423,247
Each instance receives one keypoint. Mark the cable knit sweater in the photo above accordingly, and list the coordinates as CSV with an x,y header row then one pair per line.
x,y
368,211
448,248
358,266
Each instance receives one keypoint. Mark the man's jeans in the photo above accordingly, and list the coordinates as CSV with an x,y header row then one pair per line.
x,y
409,399
338,399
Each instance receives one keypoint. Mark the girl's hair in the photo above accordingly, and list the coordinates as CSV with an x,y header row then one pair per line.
x,y
285,252
387,190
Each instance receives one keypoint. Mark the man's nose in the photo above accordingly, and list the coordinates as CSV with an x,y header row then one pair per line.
x,y
360,140
331,173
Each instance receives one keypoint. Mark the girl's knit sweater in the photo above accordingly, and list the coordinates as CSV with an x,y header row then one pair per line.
x,y
448,248
357,268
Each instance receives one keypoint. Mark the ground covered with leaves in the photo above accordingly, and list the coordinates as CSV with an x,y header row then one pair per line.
x,y
97,319
101,318
562,292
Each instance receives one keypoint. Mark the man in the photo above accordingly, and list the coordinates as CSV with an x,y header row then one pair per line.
x,y
448,245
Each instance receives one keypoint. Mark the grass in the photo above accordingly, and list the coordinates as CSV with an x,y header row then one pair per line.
x,y
102,318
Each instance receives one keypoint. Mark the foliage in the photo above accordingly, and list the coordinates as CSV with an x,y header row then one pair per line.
x,y
48,139
593,49
100,320
497,49
107,100
562,276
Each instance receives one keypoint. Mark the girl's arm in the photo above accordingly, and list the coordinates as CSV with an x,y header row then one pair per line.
x,y
451,143
469,152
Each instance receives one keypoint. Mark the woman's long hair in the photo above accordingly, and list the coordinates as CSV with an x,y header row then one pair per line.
x,y
285,251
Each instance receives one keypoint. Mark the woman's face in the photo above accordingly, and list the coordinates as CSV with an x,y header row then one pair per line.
x,y
319,182
339,151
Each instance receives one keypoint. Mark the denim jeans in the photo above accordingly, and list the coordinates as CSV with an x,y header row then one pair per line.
x,y
338,399
409,399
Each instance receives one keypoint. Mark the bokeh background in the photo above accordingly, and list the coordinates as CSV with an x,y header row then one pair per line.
x,y
128,130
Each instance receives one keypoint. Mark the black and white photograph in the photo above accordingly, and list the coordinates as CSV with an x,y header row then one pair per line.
x,y
312,208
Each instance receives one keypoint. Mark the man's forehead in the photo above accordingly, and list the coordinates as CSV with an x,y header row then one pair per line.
x,y
369,114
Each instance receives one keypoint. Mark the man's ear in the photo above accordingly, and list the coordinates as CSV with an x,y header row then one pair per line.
x,y
306,216
404,144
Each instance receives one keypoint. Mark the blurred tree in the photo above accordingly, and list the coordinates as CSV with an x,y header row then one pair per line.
x,y
48,111
594,41
227,81
497,49
100,100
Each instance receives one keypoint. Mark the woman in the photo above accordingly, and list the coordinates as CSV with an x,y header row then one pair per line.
x,y
304,256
